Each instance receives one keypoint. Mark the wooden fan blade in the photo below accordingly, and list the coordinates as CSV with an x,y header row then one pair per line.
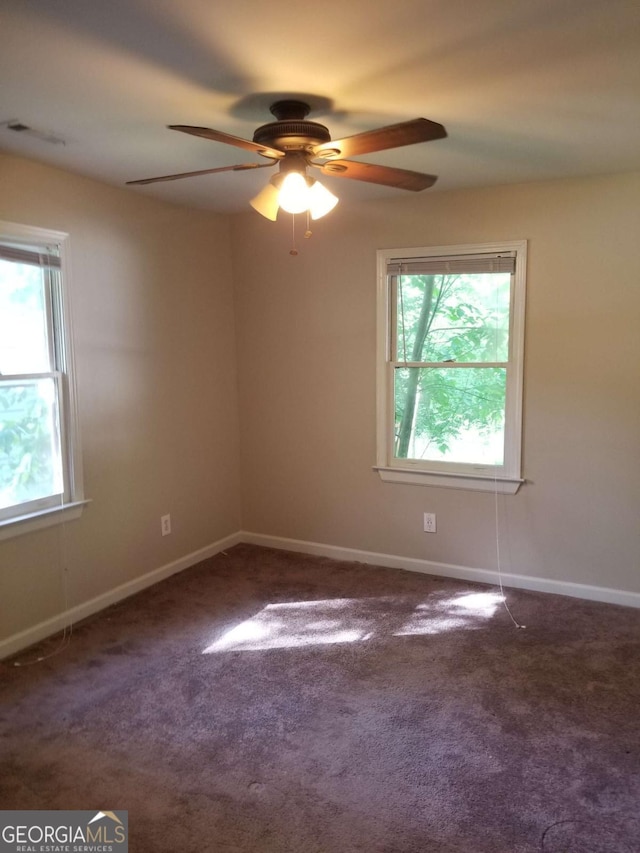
x,y
392,136
219,136
239,168
385,175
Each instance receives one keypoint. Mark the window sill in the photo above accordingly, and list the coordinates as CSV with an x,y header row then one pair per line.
x,y
10,527
499,485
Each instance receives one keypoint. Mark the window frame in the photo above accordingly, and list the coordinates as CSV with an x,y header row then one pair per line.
x,y
43,512
504,479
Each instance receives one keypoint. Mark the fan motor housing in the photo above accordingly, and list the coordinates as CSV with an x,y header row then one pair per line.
x,y
292,132
292,135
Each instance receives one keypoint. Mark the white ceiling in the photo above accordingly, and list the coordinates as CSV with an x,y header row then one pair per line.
x,y
527,89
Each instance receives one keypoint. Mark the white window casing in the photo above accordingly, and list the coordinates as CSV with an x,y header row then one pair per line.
x,y
488,257
48,250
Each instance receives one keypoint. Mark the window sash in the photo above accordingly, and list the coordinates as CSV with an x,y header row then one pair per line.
x,y
424,444
449,365
396,309
58,497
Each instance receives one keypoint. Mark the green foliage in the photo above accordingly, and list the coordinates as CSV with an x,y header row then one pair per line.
x,y
26,465
444,320
28,462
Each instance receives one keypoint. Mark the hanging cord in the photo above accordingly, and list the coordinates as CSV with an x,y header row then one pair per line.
x,y
67,631
307,233
497,512
293,250
502,592
404,338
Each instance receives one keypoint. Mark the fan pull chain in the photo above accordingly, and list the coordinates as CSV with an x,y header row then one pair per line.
x,y
307,233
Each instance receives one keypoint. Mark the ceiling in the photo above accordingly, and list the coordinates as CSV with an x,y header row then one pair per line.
x,y
527,89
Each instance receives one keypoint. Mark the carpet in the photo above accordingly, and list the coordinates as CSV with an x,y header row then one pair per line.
x,y
281,703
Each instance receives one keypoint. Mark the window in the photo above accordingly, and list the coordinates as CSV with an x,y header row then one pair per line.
x,y
450,353
39,455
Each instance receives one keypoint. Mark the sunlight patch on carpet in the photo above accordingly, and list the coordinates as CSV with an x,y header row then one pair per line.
x,y
351,620
461,611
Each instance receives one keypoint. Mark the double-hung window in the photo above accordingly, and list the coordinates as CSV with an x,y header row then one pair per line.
x,y
39,447
450,365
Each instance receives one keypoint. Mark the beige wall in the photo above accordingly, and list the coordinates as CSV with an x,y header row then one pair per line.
x,y
155,356
152,288
306,338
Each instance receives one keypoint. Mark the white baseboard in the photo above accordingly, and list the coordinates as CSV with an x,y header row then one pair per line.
x,y
22,640
536,584
15,643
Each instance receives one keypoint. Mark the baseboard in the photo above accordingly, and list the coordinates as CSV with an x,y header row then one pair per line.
x,y
22,640
536,584
17,642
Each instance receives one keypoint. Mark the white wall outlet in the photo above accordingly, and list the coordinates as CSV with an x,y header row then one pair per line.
x,y
429,522
165,525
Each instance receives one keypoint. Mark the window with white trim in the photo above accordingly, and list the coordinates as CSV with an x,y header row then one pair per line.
x,y
39,447
450,365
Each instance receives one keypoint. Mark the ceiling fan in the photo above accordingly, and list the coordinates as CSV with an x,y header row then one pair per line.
x,y
294,144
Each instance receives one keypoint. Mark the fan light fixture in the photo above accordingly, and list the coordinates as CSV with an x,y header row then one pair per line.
x,y
294,192
294,143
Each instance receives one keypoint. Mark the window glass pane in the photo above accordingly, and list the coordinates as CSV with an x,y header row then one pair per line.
x,y
450,414
453,317
24,346
30,464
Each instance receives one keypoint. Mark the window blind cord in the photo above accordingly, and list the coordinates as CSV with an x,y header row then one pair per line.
x,y
67,631
497,515
404,338
498,560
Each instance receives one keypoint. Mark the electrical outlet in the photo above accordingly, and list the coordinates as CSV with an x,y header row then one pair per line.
x,y
165,525
429,522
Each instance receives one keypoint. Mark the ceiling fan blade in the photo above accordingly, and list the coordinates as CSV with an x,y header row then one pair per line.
x,y
239,168
219,136
388,176
392,136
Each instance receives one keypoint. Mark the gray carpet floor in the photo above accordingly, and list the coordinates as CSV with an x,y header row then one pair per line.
x,y
268,701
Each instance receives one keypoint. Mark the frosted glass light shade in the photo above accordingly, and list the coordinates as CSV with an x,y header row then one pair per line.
x,y
295,193
321,200
266,202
